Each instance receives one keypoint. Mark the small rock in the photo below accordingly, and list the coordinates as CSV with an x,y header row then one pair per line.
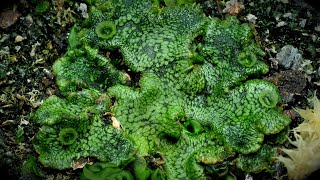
x,y
251,18
233,7
287,15
83,9
28,20
8,18
24,122
4,37
281,23
248,177
18,39
292,114
314,38
17,48
33,49
302,23
289,57
317,28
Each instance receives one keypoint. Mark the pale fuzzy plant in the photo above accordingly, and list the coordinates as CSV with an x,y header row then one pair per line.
x,y
305,158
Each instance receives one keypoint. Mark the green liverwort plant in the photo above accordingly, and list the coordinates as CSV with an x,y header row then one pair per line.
x,y
142,80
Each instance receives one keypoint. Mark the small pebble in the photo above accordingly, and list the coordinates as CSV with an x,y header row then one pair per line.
x,y
18,39
281,23
28,20
302,23
289,57
251,18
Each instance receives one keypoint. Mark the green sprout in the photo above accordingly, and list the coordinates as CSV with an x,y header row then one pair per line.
x,y
106,29
268,98
67,136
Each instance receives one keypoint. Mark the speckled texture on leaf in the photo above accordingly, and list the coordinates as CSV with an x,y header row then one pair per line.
x,y
192,104
81,112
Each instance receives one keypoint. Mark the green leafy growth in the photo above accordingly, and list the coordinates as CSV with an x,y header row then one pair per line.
x,y
30,169
269,99
231,54
74,127
140,169
157,175
143,172
85,68
281,137
105,171
73,40
193,126
106,29
148,113
181,2
243,122
91,2
183,159
110,171
42,6
192,104
247,60
258,161
147,36
217,170
172,3
19,135
67,136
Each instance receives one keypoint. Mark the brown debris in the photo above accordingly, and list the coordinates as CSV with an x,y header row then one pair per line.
x,y
80,163
292,114
233,7
9,17
290,82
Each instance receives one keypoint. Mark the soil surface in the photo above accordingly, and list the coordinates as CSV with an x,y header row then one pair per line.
x,y
31,39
